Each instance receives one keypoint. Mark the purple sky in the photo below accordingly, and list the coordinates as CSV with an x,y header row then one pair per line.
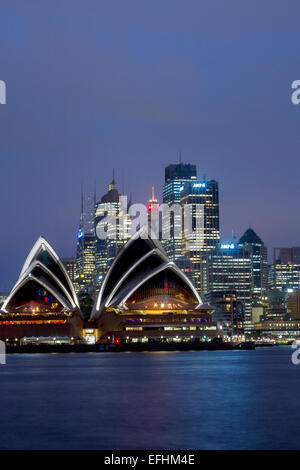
x,y
93,84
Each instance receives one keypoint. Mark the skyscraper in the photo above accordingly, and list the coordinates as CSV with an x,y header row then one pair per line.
x,y
284,274
70,265
228,268
175,176
85,255
111,218
206,194
85,261
285,277
287,255
259,258
229,311
294,304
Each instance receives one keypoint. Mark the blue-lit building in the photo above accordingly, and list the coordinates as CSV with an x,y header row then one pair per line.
x,y
85,261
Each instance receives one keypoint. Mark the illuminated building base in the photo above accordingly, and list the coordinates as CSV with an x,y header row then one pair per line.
x,y
141,326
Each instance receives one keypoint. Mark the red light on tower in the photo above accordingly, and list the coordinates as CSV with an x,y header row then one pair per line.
x,y
153,204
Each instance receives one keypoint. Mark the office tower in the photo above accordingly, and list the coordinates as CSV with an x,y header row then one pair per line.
x,y
276,305
85,255
70,265
85,261
293,306
259,258
285,277
111,219
205,194
284,274
287,256
229,311
175,176
228,268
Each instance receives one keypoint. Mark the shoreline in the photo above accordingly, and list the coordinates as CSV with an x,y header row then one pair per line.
x,y
80,348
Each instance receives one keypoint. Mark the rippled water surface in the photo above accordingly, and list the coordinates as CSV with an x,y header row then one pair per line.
x,y
186,400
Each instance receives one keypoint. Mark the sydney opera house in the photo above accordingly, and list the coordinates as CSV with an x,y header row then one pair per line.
x,y
144,297
43,303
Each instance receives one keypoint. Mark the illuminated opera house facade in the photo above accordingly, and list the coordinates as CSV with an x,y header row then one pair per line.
x,y
144,297
147,297
43,304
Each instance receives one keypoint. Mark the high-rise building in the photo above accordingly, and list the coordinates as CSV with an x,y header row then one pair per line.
x,y
70,265
111,218
206,194
284,274
294,304
287,255
175,176
85,255
285,277
228,268
277,305
259,258
85,261
228,311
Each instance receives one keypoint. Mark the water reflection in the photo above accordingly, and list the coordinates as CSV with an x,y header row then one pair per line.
x,y
194,400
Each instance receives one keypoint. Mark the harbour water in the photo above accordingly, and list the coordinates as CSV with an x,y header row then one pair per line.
x,y
178,400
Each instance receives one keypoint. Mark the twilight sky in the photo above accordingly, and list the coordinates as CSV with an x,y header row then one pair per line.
x,y
97,84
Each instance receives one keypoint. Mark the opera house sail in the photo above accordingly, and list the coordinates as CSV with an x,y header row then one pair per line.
x,y
145,297
43,304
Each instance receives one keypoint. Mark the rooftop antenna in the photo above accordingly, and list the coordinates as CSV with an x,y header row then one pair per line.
x,y
123,189
113,183
180,155
81,212
95,192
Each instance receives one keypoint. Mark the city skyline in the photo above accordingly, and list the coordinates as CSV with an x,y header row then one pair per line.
x,y
150,255
234,235
135,93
